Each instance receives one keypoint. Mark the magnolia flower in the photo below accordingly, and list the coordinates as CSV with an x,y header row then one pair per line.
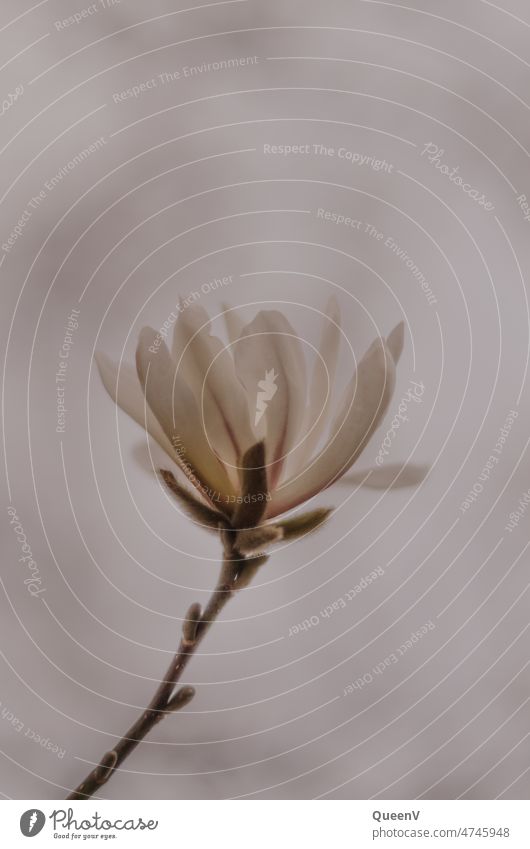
x,y
245,423
256,437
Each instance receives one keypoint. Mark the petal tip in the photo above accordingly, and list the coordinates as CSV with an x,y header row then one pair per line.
x,y
146,334
108,372
101,360
396,340
333,309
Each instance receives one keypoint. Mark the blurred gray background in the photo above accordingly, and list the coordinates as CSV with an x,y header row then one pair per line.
x,y
179,191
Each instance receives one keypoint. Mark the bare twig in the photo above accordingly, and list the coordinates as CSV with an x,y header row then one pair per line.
x,y
166,700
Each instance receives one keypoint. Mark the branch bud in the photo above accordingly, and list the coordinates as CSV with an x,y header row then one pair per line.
x,y
181,698
190,625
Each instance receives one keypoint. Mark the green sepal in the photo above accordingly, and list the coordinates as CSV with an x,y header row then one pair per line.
x,y
254,489
304,523
201,513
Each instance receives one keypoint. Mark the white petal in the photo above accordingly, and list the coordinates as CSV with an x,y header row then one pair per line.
x,y
174,406
207,366
189,321
233,322
320,387
123,386
271,366
365,403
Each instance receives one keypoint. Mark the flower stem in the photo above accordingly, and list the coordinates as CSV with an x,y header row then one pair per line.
x,y
165,700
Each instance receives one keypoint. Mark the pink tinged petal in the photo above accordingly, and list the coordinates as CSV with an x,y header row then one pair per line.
x,y
234,325
175,408
365,403
207,366
123,386
271,366
190,320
